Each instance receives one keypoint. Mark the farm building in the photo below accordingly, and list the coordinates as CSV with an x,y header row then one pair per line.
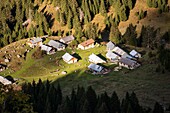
x,y
135,54
34,42
95,68
121,52
67,39
128,63
95,59
110,46
49,50
4,81
87,44
112,56
69,58
2,67
57,45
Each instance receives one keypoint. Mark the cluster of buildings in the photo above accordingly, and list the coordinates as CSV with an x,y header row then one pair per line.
x,y
114,53
122,58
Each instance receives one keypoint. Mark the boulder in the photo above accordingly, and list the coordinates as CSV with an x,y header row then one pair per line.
x,y
63,72
6,60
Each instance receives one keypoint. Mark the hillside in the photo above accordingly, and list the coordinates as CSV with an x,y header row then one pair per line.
x,y
153,18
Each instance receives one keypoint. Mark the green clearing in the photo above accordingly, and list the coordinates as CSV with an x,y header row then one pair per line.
x,y
45,67
144,81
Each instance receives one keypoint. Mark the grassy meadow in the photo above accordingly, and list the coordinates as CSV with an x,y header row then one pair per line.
x,y
144,81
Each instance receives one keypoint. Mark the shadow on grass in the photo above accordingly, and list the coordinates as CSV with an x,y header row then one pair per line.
x,y
102,57
77,56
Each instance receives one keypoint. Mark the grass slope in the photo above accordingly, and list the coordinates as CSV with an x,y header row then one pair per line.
x,y
144,81
153,18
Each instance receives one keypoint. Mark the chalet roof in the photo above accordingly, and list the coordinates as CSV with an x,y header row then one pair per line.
x,y
46,48
110,45
55,44
95,67
111,55
67,38
96,59
4,81
127,61
35,40
119,51
67,57
133,53
87,42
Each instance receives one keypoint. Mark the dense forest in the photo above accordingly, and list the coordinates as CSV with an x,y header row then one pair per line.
x,y
46,98
27,18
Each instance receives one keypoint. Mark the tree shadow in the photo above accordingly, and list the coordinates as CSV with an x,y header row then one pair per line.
x,y
49,19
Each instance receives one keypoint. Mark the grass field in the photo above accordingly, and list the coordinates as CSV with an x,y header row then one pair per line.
x,y
144,81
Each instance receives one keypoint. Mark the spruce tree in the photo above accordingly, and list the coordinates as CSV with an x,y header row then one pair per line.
x,y
158,108
114,103
130,35
114,35
92,98
103,8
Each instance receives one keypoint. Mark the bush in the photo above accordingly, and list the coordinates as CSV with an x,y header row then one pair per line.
x,y
38,54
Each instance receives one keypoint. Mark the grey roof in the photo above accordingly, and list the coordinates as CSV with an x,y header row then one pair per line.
x,y
111,55
110,45
119,51
35,40
4,81
94,58
56,44
95,67
133,53
46,48
67,57
67,39
127,61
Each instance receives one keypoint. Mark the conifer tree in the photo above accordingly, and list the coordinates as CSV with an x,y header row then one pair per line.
x,y
96,5
103,8
69,20
103,108
85,108
115,103
158,108
92,98
130,35
114,35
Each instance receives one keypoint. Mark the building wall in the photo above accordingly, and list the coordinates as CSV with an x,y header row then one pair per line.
x,y
34,45
73,60
86,47
59,49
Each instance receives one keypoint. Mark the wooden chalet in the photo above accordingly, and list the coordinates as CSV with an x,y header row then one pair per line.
x,y
96,59
34,42
110,46
49,50
2,67
69,58
86,44
57,45
4,81
128,63
112,57
135,54
67,39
